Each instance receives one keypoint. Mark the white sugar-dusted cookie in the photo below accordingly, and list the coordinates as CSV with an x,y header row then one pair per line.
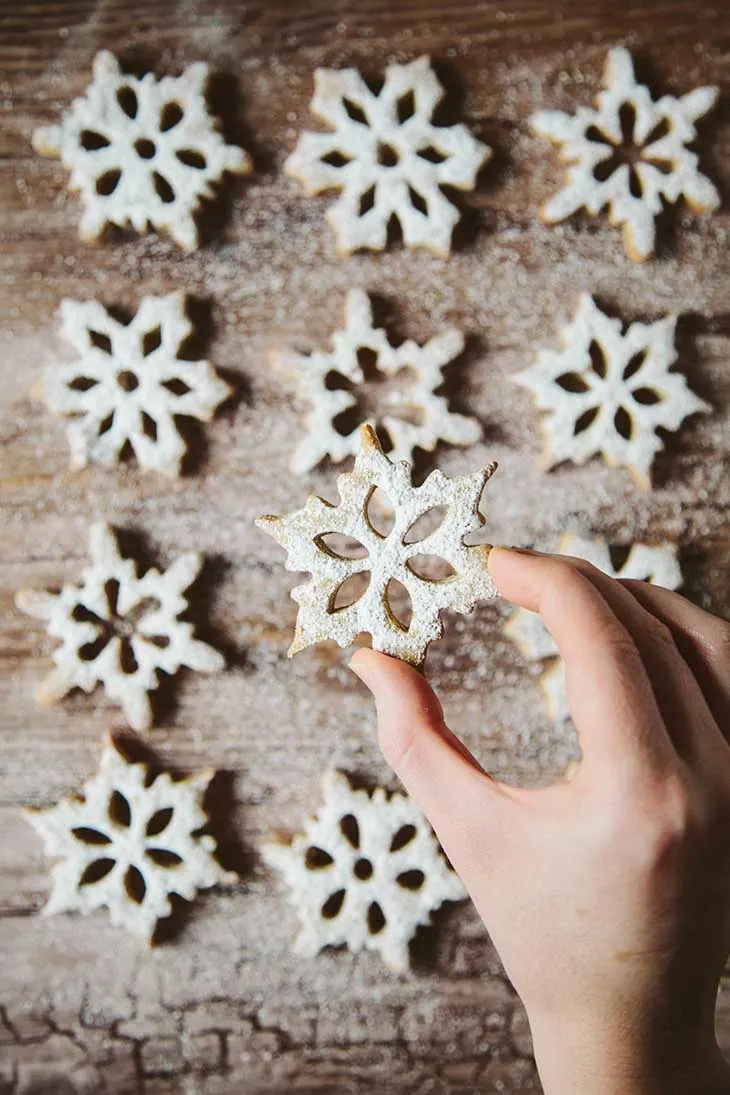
x,y
607,391
629,153
387,558
142,151
657,564
366,872
120,630
127,385
415,417
387,157
128,843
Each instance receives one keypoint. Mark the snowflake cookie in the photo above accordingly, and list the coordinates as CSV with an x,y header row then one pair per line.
x,y
142,151
120,630
366,872
395,557
128,843
629,153
387,157
607,391
127,386
413,416
657,564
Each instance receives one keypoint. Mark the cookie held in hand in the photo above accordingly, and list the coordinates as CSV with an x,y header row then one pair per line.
x,y
335,543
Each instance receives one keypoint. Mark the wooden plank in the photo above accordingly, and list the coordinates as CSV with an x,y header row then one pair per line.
x,y
225,1006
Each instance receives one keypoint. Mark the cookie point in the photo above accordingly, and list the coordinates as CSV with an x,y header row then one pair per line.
x,y
369,438
265,520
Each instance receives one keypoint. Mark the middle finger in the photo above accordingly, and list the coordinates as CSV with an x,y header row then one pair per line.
x,y
685,711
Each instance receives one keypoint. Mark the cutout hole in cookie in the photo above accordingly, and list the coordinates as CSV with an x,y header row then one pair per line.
x,y
149,426
350,830
426,524
163,188
151,341
90,836
431,568
135,885
403,837
127,380
598,359
584,421
333,904
662,129
91,141
624,423
411,880
634,364
107,183
163,857
367,201
336,159
96,870
82,383
376,919
363,869
647,397
176,386
418,201
170,116
127,658
349,592
572,382
192,158
398,603
159,821
355,111
145,148
105,425
119,810
431,154
317,859
387,155
100,341
127,100
379,512
406,107
341,546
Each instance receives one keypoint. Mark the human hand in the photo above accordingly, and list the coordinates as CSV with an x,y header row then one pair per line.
x,y
608,896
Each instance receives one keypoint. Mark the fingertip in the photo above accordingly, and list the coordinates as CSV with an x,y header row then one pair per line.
x,y
507,566
494,559
395,684
369,665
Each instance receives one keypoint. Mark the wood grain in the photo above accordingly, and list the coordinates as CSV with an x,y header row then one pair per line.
x,y
224,1007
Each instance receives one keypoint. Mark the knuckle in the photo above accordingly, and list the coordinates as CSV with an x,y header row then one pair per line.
x,y
564,576
567,578
668,826
662,638
618,643
718,642
712,808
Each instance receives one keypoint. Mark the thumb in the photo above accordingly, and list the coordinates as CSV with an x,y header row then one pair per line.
x,y
438,771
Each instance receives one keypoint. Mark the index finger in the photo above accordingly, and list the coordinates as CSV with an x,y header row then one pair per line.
x,y
610,695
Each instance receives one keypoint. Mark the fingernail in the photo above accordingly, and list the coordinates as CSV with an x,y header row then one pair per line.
x,y
519,550
351,665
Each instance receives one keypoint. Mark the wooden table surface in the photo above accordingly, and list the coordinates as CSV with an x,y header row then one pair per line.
x,y
225,1006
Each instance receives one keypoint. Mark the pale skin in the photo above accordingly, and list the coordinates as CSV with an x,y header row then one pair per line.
x,y
607,895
